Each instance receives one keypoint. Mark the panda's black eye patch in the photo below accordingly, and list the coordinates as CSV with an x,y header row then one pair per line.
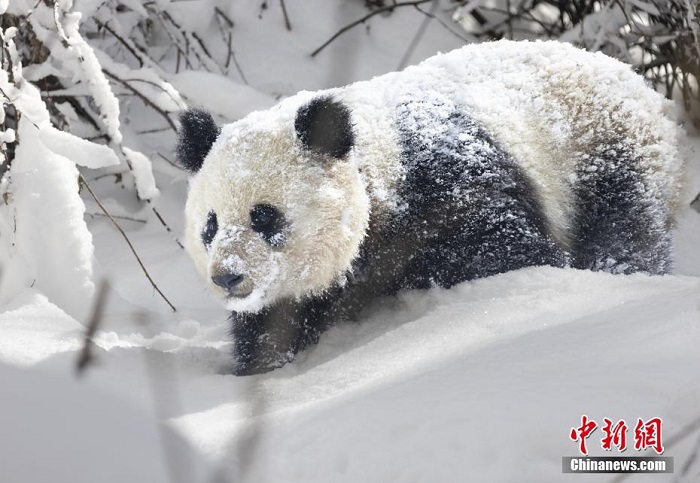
x,y
210,229
269,223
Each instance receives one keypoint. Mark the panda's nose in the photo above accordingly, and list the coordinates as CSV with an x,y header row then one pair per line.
x,y
227,281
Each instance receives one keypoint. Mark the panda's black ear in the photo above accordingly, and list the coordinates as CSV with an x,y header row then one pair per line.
x,y
197,134
323,126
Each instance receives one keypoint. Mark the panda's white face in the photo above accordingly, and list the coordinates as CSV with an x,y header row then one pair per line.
x,y
268,218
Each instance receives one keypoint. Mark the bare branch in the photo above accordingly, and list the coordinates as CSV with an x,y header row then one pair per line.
x,y
362,20
140,95
127,45
126,238
167,227
117,217
431,15
86,356
286,17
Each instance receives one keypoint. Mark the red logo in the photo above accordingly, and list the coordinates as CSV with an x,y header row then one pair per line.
x,y
614,435
582,433
647,434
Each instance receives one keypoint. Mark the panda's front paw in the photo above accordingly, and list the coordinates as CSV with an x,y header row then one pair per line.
x,y
257,358
241,368
264,341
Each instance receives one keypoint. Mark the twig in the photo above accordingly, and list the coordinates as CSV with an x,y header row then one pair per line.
x,y
211,65
170,162
118,175
167,227
357,22
238,67
226,34
154,84
225,17
117,217
126,238
154,130
287,23
86,356
121,40
431,15
145,99
419,35
199,40
175,37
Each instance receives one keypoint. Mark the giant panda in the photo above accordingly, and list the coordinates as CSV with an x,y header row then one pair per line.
x,y
486,159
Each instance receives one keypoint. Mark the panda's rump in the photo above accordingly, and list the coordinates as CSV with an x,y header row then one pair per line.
x,y
620,224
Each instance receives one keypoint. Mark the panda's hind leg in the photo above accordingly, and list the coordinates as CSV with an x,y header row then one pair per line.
x,y
621,223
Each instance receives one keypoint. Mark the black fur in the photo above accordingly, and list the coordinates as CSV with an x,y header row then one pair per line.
x,y
472,212
324,126
619,226
197,134
269,223
210,229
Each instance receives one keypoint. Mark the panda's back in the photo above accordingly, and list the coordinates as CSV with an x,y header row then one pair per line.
x,y
548,105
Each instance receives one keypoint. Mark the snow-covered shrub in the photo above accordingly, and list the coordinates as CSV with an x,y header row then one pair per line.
x,y
660,38
60,111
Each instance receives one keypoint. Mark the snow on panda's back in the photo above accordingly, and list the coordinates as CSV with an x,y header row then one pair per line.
x,y
549,104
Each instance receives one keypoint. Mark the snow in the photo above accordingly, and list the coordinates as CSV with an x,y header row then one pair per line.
x,y
374,48
80,151
143,174
500,407
84,436
87,67
481,381
241,100
478,383
46,243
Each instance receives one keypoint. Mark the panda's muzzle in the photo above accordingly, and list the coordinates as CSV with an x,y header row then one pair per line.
x,y
227,281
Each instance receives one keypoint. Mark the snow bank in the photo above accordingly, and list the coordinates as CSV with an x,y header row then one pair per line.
x,y
56,429
480,382
44,241
50,247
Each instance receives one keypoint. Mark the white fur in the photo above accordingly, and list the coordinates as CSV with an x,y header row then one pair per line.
x,y
546,103
255,161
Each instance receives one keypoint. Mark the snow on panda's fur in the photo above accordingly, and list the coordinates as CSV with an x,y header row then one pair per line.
x,y
486,159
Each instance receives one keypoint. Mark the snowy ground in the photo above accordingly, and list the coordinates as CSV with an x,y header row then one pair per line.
x,y
482,382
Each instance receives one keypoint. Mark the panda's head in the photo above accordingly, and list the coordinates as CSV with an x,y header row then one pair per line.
x,y
276,206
